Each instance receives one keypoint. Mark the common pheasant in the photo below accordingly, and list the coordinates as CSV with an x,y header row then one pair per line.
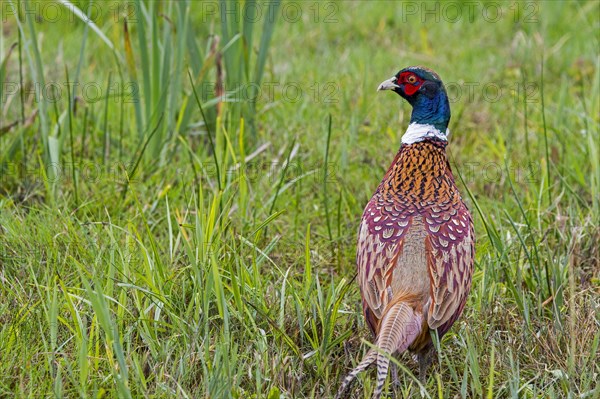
x,y
416,240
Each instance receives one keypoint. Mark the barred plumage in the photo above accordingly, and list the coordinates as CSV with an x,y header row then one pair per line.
x,y
416,241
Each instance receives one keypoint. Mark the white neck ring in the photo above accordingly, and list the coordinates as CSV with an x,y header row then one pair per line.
x,y
418,132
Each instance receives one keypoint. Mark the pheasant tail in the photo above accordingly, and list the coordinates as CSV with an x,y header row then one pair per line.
x,y
399,328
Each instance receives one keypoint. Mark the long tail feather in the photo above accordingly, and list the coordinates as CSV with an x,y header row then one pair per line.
x,y
369,359
399,328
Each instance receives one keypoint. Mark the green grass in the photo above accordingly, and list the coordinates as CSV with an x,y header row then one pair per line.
x,y
158,242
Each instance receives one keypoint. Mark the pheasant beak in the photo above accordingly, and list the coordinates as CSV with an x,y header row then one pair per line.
x,y
389,84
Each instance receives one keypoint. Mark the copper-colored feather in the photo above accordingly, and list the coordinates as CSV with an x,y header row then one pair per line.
x,y
414,256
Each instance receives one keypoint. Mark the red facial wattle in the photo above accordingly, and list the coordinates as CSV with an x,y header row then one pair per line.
x,y
411,89
410,82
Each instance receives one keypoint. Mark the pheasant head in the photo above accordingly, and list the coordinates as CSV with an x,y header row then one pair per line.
x,y
424,90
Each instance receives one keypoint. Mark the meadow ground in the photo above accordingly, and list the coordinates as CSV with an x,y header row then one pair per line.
x,y
157,241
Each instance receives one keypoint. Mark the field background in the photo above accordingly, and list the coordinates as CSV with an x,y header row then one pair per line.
x,y
182,223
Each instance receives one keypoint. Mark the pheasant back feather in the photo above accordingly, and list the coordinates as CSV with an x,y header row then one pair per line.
x,y
414,255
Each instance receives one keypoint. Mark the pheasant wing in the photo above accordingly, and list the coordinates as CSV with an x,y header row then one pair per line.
x,y
450,252
380,242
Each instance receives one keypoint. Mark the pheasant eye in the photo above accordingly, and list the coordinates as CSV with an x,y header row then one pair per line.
x,y
412,79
